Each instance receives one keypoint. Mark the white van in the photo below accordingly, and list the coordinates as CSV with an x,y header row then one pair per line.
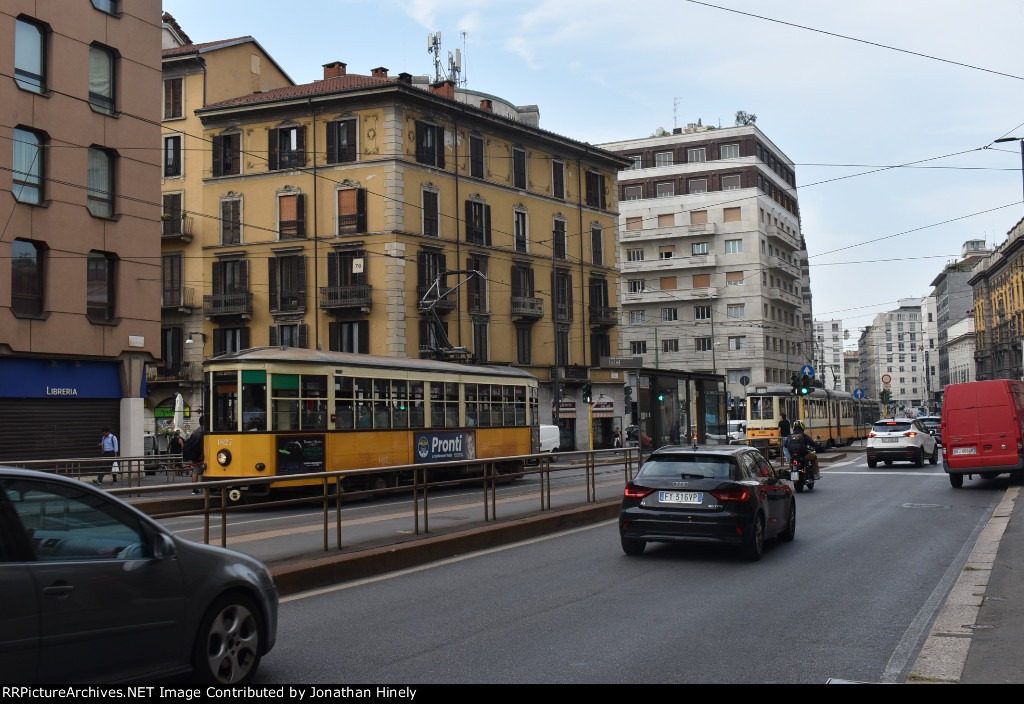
x,y
737,429
549,438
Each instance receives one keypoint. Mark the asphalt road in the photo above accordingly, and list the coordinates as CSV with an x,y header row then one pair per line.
x,y
851,598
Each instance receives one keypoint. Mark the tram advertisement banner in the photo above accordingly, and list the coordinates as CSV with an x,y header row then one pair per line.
x,y
299,454
445,446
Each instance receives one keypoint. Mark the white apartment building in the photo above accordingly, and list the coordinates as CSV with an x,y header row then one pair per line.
x,y
712,258
960,346
828,353
893,346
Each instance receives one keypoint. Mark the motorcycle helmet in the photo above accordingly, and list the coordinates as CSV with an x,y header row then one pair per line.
x,y
798,427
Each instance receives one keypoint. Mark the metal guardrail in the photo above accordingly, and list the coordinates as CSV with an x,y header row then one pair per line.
x,y
137,467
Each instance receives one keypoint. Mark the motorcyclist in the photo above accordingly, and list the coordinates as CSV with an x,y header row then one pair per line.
x,y
800,445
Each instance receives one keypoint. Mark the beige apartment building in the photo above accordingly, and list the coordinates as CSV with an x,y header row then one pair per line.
x,y
79,203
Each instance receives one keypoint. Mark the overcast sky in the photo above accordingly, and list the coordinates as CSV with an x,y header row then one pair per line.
x,y
606,70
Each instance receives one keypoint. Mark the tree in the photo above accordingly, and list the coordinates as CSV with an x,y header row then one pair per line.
x,y
745,118
660,132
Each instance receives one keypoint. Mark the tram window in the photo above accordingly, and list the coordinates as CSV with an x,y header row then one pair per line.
x,y
399,403
363,392
364,418
497,418
451,397
254,399
225,401
520,401
534,406
314,386
507,408
416,416
472,406
484,405
286,414
436,404
362,389
343,406
285,386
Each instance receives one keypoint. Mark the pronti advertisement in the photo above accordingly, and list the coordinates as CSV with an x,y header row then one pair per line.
x,y
299,454
445,446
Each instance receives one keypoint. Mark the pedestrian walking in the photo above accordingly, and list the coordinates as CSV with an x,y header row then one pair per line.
x,y
109,448
784,431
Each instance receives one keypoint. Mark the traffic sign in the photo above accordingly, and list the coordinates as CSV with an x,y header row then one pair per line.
x,y
807,369
858,393
886,378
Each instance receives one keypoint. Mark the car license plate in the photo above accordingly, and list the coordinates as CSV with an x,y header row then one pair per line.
x,y
680,497
794,476
890,439
965,450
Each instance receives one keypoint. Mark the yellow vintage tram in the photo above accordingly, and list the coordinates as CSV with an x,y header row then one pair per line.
x,y
275,411
830,417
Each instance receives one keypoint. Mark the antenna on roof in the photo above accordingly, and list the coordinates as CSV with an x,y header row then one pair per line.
x,y
434,47
454,60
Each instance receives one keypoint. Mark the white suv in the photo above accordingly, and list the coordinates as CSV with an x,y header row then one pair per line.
x,y
901,440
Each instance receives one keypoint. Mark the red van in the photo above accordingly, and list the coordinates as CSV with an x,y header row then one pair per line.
x,y
982,431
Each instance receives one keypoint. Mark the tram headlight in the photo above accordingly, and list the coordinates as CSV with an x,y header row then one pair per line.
x,y
224,457
260,466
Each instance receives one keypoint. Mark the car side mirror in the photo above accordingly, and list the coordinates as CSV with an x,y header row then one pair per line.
x,y
163,546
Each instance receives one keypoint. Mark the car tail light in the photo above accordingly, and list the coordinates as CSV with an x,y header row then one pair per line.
x,y
910,434
732,494
636,492
871,435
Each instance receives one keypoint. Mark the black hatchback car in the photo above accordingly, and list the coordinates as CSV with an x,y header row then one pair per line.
x,y
713,494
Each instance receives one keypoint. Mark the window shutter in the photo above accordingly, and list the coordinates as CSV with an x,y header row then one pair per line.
x,y
363,330
243,276
439,145
272,150
218,341
350,129
361,210
487,224
300,146
333,343
303,336
300,213
302,283
243,338
218,155
272,342
332,270
332,142
469,221
218,278
272,283
360,279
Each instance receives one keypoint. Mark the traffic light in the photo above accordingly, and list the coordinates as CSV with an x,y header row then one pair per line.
x,y
805,385
627,396
795,383
587,392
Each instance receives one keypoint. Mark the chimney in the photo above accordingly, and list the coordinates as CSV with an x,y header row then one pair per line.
x,y
446,89
334,69
405,78
487,105
379,72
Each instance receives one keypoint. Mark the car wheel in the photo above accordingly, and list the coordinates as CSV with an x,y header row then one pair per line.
x,y
633,547
229,643
790,532
919,459
956,480
754,545
872,463
934,459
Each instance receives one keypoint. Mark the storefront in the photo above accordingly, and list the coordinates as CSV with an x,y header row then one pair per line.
x,y
56,408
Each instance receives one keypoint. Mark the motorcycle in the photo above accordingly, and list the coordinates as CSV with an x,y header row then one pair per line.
x,y
801,474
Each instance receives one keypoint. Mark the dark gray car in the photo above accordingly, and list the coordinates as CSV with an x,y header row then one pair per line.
x,y
95,591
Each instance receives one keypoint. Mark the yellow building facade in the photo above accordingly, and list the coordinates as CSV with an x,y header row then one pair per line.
x,y
998,286
368,214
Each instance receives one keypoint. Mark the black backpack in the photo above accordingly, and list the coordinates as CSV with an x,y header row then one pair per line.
x,y
797,445
192,451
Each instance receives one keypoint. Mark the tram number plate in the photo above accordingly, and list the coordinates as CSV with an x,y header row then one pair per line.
x,y
680,497
965,450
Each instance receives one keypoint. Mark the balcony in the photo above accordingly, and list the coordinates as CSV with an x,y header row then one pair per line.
x,y
346,297
186,372
176,228
781,295
786,266
221,304
527,309
445,303
603,316
181,299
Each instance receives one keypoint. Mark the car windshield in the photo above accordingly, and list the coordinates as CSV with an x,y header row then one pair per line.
x,y
932,422
692,466
891,427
